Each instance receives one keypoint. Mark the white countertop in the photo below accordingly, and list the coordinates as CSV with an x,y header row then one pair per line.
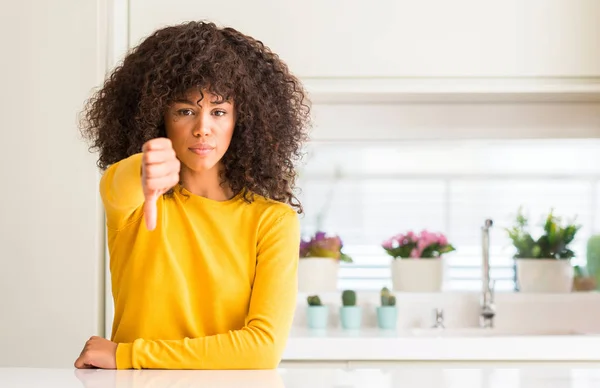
x,y
528,326
447,345
433,375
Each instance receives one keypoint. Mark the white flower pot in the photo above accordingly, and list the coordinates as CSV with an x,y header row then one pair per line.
x,y
418,275
317,274
544,275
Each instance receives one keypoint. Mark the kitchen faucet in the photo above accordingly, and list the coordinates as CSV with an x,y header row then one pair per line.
x,y
488,309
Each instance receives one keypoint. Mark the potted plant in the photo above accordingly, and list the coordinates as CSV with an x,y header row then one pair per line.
x,y
387,313
593,257
582,280
417,264
319,263
316,314
543,264
350,313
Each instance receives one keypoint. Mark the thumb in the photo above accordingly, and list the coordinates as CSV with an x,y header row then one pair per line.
x,y
150,210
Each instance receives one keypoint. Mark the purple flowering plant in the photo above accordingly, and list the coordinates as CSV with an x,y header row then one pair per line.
x,y
422,245
323,245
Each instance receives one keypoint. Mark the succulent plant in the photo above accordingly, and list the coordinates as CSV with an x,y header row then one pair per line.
x,y
314,300
349,298
387,299
552,244
322,245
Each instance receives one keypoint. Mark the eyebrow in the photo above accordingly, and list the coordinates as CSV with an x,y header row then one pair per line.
x,y
190,102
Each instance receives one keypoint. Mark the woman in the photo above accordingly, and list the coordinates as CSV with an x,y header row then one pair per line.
x,y
198,132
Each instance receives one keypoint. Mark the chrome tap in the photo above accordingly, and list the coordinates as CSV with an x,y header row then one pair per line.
x,y
439,319
488,309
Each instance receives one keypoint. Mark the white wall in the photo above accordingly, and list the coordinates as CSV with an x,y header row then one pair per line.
x,y
50,220
439,121
405,38
430,69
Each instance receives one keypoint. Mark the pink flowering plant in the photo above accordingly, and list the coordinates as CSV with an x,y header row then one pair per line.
x,y
323,245
423,245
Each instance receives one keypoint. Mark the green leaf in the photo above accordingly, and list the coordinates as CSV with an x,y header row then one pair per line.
x,y
446,249
403,251
345,258
580,271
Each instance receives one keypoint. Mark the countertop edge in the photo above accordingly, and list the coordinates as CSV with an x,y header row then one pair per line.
x,y
505,348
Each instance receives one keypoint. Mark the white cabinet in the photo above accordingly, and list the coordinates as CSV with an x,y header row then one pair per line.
x,y
50,217
402,38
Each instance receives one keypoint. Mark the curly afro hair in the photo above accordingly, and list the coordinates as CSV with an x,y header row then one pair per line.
x,y
272,111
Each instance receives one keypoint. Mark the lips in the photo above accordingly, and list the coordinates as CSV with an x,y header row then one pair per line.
x,y
201,149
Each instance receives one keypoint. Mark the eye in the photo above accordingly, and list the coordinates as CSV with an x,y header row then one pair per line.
x,y
219,113
185,112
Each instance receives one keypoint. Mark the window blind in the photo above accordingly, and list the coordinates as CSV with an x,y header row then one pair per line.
x,y
367,192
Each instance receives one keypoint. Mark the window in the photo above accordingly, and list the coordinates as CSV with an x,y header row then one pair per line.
x,y
367,192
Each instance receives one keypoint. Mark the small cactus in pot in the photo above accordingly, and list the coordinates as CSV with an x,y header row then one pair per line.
x,y
387,299
316,314
387,312
350,313
349,298
314,300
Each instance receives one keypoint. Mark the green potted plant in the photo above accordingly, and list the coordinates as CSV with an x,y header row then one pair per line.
x,y
593,258
316,314
387,313
543,264
318,267
417,260
350,313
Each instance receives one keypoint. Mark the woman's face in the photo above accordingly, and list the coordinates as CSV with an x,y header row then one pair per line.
x,y
200,126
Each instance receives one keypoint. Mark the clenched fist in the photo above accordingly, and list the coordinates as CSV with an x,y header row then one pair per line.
x,y
160,172
98,352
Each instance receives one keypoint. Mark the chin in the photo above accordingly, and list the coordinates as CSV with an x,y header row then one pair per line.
x,y
201,165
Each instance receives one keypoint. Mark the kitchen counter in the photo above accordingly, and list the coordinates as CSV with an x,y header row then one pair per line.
x,y
527,326
432,375
444,345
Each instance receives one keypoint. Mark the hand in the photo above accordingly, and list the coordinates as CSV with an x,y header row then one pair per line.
x,y
160,172
98,352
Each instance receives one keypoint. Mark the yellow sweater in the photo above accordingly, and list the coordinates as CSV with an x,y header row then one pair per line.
x,y
212,287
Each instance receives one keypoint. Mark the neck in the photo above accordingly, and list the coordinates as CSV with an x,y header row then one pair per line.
x,y
205,184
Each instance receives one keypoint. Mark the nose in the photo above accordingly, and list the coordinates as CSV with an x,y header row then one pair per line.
x,y
202,128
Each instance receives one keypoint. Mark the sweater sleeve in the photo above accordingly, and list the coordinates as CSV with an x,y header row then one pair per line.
x,y
262,340
121,191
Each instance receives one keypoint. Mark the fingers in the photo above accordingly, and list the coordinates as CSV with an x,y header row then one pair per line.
x,y
161,169
160,172
85,359
159,161
82,362
158,156
159,185
160,143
